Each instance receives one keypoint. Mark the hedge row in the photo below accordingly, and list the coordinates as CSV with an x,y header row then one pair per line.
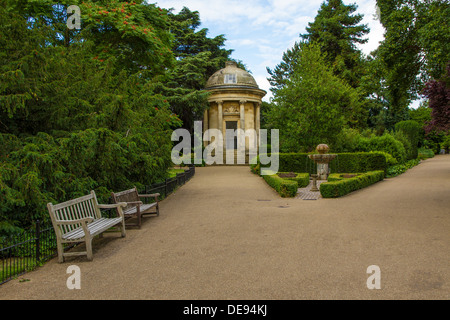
x,y
344,162
285,187
302,179
341,186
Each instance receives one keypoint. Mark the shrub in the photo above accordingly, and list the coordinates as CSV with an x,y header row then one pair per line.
x,y
401,168
339,188
386,143
347,141
446,143
302,179
345,162
425,153
412,130
284,187
359,162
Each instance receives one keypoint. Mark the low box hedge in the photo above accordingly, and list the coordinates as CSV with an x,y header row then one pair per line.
x,y
339,187
284,187
302,179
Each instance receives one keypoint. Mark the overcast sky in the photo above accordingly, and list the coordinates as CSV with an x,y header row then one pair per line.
x,y
260,31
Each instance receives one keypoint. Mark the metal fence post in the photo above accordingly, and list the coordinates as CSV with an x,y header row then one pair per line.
x,y
165,188
38,240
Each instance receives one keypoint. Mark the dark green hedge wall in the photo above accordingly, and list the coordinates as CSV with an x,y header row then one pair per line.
x,y
344,162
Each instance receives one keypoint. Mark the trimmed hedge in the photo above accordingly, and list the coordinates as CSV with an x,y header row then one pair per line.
x,y
302,179
284,187
339,188
344,162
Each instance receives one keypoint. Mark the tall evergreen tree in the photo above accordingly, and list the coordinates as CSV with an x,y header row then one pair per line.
x,y
314,105
337,30
197,58
281,74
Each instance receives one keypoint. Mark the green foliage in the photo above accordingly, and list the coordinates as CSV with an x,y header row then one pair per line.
x,y
197,58
393,146
302,179
386,143
337,30
412,131
313,106
416,46
341,187
79,109
425,153
446,143
344,162
285,187
401,168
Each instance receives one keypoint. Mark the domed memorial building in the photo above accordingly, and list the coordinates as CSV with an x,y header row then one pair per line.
x,y
234,103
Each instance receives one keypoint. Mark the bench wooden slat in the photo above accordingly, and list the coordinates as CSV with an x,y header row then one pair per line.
x,y
94,227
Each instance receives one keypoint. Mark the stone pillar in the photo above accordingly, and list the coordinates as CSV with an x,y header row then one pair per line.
x,y
205,125
220,115
242,113
258,122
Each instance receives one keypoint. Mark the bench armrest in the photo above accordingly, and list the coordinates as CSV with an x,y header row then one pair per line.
x,y
119,207
151,195
134,202
112,206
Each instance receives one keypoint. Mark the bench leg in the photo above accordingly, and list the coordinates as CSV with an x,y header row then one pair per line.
x,y
60,248
89,254
122,228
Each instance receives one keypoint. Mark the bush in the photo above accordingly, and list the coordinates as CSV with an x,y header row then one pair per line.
x,y
412,130
401,168
385,143
446,143
425,153
359,162
284,187
302,179
345,162
339,188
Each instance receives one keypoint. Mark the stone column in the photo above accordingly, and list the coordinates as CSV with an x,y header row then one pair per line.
x,y
242,111
220,115
258,122
205,125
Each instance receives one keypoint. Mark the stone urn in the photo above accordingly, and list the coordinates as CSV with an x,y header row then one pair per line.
x,y
322,148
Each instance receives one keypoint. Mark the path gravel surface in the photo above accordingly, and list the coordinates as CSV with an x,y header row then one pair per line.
x,y
227,235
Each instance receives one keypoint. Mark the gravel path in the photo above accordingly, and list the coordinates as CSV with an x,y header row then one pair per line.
x,y
227,235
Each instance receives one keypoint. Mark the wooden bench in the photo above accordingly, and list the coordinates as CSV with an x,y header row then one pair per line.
x,y
80,220
135,207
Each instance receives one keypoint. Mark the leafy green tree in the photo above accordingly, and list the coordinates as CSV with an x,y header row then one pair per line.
x,y
338,30
281,74
314,105
75,117
415,48
197,58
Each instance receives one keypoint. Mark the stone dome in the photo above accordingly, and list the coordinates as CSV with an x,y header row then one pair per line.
x,y
231,76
